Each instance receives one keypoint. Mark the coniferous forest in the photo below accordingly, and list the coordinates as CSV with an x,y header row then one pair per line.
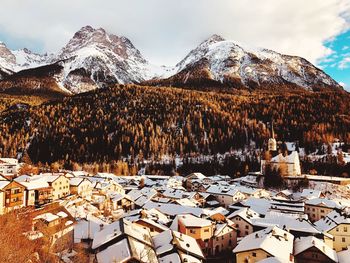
x,y
141,123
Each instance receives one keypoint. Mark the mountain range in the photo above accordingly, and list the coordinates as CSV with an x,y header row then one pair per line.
x,y
94,59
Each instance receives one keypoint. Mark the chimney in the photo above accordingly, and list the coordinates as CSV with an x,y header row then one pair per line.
x,y
285,236
101,227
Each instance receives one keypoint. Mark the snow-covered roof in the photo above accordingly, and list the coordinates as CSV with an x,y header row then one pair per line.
x,y
323,202
273,240
331,220
291,158
118,228
3,184
193,221
175,209
185,202
153,223
310,193
196,176
48,217
246,213
304,243
222,190
343,256
86,228
75,181
109,254
287,221
35,184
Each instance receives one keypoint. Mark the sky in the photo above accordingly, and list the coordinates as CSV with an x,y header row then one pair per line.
x,y
166,30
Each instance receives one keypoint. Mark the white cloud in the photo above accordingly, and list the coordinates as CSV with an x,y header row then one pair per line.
x,y
165,30
344,63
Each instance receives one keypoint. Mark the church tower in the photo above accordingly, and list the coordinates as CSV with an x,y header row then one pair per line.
x,y
272,144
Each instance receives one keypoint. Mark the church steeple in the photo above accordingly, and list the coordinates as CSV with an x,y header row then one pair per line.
x,y
272,144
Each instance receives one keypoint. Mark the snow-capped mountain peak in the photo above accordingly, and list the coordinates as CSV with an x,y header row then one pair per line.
x,y
227,62
93,58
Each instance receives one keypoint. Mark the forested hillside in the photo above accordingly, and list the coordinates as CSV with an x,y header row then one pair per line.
x,y
149,122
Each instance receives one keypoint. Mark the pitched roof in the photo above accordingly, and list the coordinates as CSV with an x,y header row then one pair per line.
x,y
193,221
304,243
332,220
273,240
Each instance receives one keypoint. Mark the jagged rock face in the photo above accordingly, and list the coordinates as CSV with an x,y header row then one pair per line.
x,y
93,59
26,59
103,57
225,62
7,59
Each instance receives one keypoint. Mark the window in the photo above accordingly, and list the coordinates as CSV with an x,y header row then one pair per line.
x,y
16,191
192,231
254,254
343,239
322,211
246,227
345,229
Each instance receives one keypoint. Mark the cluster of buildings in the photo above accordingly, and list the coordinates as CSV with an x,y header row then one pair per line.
x,y
189,219
195,218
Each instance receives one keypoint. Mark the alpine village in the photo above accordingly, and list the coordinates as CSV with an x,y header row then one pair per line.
x,y
233,155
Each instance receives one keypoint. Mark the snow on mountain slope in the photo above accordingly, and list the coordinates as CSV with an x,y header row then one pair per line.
x,y
94,58
227,62
17,60
26,59
7,59
101,58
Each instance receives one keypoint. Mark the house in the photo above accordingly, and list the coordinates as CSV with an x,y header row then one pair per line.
x,y
195,180
338,225
153,227
173,246
313,250
307,194
37,192
224,239
8,167
298,226
12,196
123,241
318,208
122,201
285,194
243,221
55,222
80,186
214,239
225,195
199,228
58,182
270,242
